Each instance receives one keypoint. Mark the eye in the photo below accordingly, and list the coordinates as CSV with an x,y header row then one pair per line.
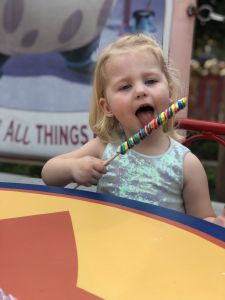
x,y
124,87
151,81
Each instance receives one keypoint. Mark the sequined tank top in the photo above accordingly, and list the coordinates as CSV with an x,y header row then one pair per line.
x,y
153,179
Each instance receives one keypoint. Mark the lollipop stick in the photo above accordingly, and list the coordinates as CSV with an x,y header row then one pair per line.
x,y
108,161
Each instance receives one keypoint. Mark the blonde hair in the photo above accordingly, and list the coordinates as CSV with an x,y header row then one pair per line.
x,y
108,128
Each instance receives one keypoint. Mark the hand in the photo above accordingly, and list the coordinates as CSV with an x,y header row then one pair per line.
x,y
88,170
220,220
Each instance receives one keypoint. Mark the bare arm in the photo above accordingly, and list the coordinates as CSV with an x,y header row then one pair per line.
x,y
195,192
83,166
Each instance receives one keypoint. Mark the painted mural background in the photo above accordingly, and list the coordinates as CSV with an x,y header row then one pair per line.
x,y
47,55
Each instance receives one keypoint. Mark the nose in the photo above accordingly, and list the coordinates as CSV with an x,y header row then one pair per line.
x,y
140,90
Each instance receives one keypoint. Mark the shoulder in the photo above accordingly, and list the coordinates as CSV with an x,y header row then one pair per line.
x,y
95,147
178,150
193,167
179,145
192,160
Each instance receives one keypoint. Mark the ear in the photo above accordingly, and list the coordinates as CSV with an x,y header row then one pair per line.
x,y
105,107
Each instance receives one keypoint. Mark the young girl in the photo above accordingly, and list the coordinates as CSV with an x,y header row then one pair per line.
x,y
133,84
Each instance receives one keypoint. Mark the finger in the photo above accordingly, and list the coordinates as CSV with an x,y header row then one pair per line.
x,y
96,175
220,220
91,182
100,168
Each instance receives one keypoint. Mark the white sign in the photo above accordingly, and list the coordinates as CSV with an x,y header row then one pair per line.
x,y
41,135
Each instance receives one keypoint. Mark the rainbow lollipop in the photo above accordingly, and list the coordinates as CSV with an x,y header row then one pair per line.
x,y
161,119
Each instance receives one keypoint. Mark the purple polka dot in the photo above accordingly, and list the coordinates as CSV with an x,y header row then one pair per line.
x,y
29,38
70,27
104,13
12,14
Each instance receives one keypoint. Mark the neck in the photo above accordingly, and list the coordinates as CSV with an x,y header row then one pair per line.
x,y
155,144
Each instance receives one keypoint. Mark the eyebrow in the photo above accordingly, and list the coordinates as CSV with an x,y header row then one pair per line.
x,y
129,78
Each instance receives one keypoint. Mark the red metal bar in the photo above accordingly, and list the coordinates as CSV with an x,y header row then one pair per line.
x,y
199,125
205,129
196,137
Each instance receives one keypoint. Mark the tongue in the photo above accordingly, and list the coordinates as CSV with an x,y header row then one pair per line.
x,y
144,117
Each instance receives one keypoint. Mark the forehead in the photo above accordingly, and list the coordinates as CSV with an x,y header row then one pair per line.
x,y
131,60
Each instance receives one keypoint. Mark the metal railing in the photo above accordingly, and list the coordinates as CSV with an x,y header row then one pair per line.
x,y
204,130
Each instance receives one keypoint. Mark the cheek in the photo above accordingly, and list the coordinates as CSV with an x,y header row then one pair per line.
x,y
119,111
162,105
113,100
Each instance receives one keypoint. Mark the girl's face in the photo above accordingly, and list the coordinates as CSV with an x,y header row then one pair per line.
x,y
136,92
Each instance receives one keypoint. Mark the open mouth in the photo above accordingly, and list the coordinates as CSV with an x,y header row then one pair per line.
x,y
145,114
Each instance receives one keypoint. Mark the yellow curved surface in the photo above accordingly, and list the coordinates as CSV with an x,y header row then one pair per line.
x,y
123,254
